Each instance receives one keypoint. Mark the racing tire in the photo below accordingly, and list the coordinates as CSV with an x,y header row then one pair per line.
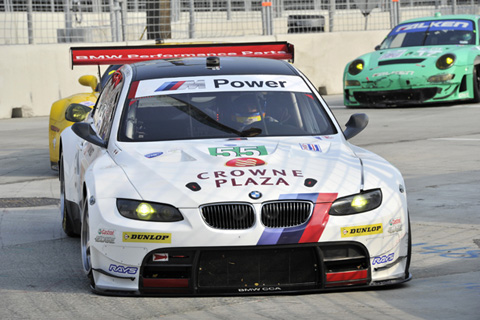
x,y
67,222
359,106
409,251
476,83
85,244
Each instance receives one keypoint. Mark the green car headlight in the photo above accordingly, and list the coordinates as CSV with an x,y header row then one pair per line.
x,y
148,211
441,77
445,61
357,203
352,83
356,67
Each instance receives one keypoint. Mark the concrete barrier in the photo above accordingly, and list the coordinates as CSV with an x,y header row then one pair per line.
x,y
32,77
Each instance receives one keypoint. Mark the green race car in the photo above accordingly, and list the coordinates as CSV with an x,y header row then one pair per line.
x,y
424,60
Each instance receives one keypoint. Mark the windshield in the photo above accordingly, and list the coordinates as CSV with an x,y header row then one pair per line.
x,y
431,33
223,114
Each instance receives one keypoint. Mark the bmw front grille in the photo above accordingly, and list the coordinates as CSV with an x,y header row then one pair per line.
x,y
236,216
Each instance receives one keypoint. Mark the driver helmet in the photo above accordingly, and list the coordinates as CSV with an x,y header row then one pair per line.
x,y
247,110
467,36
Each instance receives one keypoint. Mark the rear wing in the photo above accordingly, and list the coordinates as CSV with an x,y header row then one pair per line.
x,y
132,54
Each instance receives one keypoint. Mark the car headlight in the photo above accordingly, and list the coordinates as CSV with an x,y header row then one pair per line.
x,y
441,77
445,61
357,203
148,211
352,83
356,67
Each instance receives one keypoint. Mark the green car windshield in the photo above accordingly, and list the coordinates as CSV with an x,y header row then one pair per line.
x,y
431,33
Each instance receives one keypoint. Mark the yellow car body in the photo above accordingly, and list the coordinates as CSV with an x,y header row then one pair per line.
x,y
57,121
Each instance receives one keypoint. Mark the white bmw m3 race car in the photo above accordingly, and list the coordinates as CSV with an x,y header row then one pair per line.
x,y
206,171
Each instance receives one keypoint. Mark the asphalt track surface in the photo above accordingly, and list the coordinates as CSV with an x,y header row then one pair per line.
x,y
436,148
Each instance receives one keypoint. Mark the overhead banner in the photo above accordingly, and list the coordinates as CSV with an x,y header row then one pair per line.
x,y
132,54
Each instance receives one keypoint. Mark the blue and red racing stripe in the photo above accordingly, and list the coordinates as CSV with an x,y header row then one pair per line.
x,y
172,85
310,232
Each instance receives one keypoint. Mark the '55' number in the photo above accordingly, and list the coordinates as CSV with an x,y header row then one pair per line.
x,y
238,151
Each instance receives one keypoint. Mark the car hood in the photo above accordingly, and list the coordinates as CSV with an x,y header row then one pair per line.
x,y
220,170
420,56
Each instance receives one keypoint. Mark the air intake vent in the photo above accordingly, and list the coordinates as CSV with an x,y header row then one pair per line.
x,y
399,61
235,216
285,214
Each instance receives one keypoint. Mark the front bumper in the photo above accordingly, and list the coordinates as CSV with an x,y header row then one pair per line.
x,y
407,89
255,270
407,96
190,258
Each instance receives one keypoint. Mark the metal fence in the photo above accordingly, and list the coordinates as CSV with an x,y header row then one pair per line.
x,y
90,21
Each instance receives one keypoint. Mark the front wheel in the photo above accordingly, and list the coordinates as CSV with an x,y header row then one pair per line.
x,y
409,250
67,221
85,244
476,83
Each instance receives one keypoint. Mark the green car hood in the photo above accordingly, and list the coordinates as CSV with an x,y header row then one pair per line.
x,y
404,58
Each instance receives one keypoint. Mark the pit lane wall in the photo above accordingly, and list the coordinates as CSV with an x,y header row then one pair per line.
x,y
32,77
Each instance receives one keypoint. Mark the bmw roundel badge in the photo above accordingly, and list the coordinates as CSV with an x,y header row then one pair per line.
x,y
255,195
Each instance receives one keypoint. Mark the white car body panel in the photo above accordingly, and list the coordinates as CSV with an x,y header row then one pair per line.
x,y
159,171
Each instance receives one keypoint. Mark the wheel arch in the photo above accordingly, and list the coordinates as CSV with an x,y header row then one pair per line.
x,y
476,61
60,151
84,191
476,80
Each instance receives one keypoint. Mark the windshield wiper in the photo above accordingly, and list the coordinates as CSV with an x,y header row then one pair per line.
x,y
427,33
204,118
251,132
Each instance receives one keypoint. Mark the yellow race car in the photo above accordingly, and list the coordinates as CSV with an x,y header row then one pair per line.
x,y
58,123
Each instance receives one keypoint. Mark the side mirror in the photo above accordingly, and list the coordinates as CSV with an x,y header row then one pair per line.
x,y
377,47
355,125
88,81
85,131
77,112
